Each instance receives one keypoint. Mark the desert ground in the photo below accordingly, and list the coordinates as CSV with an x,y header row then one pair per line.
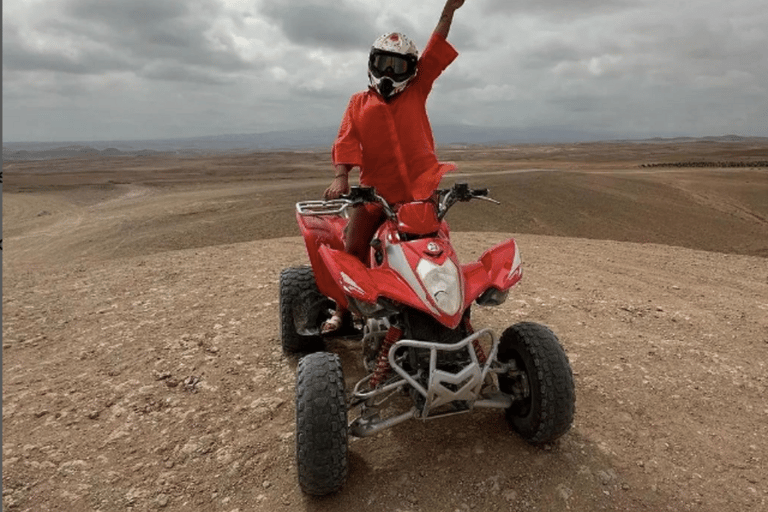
x,y
142,367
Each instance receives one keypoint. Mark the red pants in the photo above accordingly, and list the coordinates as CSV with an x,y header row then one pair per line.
x,y
364,220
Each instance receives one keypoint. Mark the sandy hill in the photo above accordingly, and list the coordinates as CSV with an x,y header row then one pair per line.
x,y
142,367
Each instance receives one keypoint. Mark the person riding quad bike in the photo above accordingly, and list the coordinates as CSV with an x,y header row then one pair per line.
x,y
386,134
383,252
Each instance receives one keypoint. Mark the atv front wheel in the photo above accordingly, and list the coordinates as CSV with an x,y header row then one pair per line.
x,y
299,300
321,424
542,383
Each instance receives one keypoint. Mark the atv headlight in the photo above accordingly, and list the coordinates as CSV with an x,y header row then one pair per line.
x,y
442,283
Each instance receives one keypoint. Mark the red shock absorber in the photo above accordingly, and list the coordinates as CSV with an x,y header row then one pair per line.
x,y
382,364
481,357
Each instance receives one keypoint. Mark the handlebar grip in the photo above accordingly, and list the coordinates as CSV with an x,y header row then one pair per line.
x,y
360,194
480,192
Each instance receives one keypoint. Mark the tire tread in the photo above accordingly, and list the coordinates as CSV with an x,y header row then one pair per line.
x,y
321,424
293,282
554,378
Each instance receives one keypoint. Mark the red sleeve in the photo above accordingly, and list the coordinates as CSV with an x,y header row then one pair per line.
x,y
437,56
346,148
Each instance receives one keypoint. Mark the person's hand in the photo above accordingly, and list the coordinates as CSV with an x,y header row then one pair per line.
x,y
339,186
453,4
446,17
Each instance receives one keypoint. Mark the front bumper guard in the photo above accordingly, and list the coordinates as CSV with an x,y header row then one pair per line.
x,y
446,393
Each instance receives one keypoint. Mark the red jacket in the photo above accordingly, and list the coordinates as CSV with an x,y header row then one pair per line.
x,y
392,141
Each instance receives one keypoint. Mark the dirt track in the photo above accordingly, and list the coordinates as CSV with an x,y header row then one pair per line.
x,y
141,360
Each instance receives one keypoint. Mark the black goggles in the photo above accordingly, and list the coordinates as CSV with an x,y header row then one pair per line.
x,y
393,65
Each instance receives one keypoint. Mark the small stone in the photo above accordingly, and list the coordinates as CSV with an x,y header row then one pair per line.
x,y
72,466
604,477
161,375
162,500
509,495
267,484
564,492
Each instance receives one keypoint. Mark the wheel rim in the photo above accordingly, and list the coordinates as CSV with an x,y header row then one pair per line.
x,y
516,383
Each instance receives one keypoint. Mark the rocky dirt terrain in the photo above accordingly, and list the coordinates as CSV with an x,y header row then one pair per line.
x,y
142,367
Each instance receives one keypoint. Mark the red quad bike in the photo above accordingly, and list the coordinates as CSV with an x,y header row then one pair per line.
x,y
410,308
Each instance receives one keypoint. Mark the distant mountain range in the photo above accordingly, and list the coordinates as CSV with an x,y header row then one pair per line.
x,y
316,138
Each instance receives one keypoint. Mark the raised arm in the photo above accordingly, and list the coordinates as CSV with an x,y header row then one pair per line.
x,y
446,18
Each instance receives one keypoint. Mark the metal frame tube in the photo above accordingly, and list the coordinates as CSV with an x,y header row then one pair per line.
x,y
365,428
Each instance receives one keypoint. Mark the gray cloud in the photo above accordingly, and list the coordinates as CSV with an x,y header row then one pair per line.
x,y
159,70
395,22
176,30
18,54
18,57
76,69
97,36
326,24
133,15
550,54
558,9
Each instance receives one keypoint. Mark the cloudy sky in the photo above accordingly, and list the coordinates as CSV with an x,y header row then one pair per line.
x,y
140,69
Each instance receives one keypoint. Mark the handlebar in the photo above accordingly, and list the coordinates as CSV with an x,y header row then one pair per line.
x,y
362,195
357,195
446,197
460,192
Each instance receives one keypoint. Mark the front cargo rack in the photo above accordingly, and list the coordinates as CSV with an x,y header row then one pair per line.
x,y
333,207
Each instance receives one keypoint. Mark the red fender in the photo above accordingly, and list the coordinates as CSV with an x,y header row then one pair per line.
x,y
318,232
498,267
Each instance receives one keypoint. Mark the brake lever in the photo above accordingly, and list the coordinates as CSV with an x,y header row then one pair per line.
x,y
486,198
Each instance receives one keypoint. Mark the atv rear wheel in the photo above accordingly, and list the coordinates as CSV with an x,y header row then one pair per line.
x,y
543,382
321,424
298,296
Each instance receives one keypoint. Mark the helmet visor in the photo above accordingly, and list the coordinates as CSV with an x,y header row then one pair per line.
x,y
392,65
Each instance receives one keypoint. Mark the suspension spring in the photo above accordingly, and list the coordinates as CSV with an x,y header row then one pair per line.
x,y
481,357
382,364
